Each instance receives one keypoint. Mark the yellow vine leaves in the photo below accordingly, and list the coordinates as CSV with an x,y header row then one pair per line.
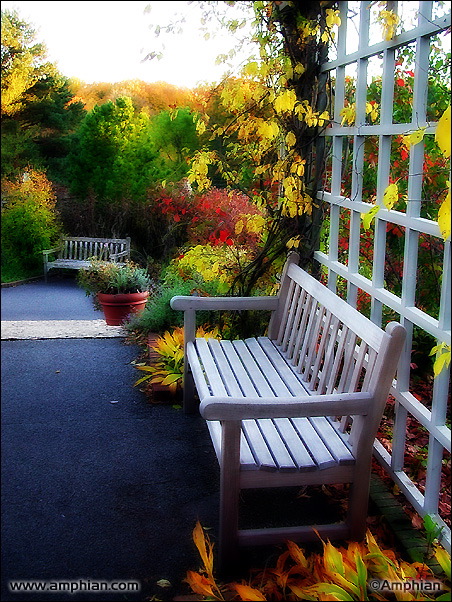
x,y
389,21
390,196
199,170
369,216
443,357
442,134
348,113
442,137
444,216
415,137
285,101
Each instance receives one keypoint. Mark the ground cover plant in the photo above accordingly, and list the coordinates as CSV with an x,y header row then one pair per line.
x,y
357,571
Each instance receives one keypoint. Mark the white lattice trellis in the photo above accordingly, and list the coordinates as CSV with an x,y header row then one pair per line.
x,y
420,35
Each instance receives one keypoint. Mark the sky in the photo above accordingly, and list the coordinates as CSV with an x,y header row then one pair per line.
x,y
107,41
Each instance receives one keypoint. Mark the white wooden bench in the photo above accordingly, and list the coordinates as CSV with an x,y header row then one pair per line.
x,y
76,252
298,407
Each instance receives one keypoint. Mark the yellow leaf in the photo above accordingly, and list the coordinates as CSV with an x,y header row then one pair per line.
x,y
299,69
293,242
391,196
369,216
443,357
444,559
444,220
332,17
442,134
268,130
285,102
251,69
348,115
415,137
333,561
323,117
248,593
389,20
291,139
200,127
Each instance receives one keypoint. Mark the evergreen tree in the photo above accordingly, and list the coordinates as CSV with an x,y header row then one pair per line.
x,y
112,155
38,112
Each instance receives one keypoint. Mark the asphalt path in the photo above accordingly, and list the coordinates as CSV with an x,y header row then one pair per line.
x,y
59,299
97,483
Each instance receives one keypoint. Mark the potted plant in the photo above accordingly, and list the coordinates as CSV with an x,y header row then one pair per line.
x,y
119,288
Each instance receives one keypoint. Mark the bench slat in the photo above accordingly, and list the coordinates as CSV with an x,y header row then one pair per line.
x,y
237,366
227,374
312,441
214,379
267,368
291,313
258,379
276,446
296,446
290,378
258,445
332,439
301,303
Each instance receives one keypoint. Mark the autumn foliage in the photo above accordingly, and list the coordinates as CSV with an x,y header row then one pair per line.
x,y
354,572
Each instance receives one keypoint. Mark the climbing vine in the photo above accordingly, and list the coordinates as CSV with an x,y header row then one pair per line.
x,y
278,107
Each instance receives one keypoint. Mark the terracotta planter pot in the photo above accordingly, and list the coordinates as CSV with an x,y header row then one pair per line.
x,y
117,308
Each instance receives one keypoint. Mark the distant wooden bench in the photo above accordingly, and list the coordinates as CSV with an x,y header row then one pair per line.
x,y
300,406
75,253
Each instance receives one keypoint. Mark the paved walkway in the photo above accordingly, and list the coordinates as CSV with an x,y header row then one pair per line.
x,y
97,483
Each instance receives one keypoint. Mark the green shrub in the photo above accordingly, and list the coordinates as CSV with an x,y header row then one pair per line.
x,y
158,315
30,224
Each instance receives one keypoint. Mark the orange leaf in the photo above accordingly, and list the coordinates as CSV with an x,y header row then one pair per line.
x,y
199,584
248,593
297,554
200,542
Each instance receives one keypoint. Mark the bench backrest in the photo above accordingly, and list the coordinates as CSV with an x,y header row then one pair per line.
x,y
83,248
330,344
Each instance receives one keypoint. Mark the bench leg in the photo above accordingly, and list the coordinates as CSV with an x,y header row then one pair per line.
x,y
189,385
189,393
357,507
229,496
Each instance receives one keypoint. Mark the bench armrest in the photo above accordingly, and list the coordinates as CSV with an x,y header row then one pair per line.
x,y
48,251
339,404
223,303
114,256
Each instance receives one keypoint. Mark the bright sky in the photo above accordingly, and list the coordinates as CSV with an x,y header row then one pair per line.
x,y
106,41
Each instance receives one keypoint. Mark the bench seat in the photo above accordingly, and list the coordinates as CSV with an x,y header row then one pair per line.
x,y
256,368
